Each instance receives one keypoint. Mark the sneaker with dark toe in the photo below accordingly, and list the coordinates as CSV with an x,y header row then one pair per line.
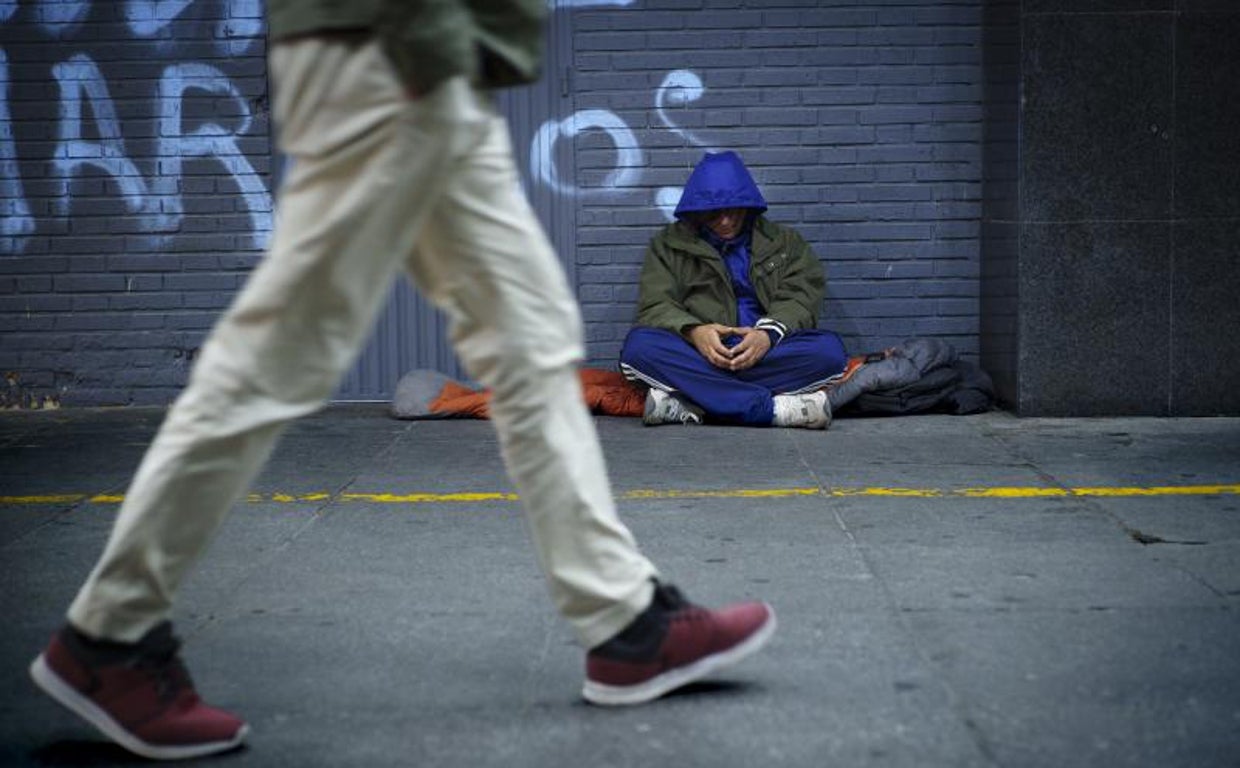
x,y
139,695
673,643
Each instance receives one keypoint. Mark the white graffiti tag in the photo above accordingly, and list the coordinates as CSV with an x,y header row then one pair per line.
x,y
208,140
61,17
678,89
158,205
16,223
90,136
239,27
628,151
80,77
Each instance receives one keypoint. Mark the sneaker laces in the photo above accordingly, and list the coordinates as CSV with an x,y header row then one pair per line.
x,y
684,414
677,608
159,659
670,598
640,641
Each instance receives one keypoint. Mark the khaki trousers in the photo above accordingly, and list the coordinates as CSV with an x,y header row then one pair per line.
x,y
380,181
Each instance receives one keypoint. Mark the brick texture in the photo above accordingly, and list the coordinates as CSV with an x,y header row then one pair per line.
x,y
134,176
124,233
861,121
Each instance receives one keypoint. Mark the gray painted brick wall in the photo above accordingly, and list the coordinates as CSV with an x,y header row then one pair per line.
x,y
861,121
120,243
125,231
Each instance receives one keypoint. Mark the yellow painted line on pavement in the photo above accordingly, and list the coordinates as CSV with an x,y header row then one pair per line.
x,y
1012,493
426,498
738,493
925,493
287,498
1160,490
996,492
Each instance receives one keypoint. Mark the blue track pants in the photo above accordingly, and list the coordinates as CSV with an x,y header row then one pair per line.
x,y
804,360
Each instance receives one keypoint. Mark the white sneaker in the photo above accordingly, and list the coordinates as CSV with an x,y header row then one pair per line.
x,y
665,408
811,411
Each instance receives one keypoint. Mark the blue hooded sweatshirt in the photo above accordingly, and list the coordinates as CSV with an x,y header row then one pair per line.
x,y
722,181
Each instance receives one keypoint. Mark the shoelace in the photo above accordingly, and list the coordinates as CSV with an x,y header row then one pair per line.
x,y
676,410
161,661
678,607
670,597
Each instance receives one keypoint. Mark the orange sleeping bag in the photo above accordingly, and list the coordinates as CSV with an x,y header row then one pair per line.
x,y
606,393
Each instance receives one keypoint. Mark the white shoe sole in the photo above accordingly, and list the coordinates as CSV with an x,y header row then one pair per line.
x,y
67,696
627,695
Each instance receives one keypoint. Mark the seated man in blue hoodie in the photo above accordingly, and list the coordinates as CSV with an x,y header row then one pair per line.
x,y
728,312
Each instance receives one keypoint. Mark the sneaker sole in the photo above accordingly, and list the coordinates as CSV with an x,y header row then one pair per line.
x,y
620,696
68,697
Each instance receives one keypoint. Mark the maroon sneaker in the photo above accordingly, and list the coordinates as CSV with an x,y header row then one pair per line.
x,y
673,643
139,695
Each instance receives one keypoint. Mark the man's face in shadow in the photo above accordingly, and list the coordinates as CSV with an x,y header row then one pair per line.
x,y
725,223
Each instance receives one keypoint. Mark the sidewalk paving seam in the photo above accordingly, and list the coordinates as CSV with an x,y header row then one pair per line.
x,y
959,706
327,503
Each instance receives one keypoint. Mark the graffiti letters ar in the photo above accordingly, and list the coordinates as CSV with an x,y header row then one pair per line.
x,y
90,136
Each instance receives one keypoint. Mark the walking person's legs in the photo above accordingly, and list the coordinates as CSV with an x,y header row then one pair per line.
x,y
486,262
367,164
370,166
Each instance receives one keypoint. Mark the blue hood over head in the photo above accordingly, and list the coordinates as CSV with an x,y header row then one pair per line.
x,y
720,180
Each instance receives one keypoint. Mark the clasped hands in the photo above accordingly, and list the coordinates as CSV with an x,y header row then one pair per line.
x,y
708,339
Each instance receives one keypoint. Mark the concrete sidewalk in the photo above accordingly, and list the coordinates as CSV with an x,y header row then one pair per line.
x,y
952,591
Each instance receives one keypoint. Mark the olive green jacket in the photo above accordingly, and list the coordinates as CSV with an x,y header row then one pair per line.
x,y
684,281
493,43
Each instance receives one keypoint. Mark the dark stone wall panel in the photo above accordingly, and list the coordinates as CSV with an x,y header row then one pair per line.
x,y
1207,91
1096,128
1094,305
1126,274
1205,321
1189,6
1096,6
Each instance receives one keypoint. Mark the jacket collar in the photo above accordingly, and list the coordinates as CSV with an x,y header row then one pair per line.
x,y
683,237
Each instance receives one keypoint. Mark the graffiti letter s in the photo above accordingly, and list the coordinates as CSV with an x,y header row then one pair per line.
x,y
678,88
